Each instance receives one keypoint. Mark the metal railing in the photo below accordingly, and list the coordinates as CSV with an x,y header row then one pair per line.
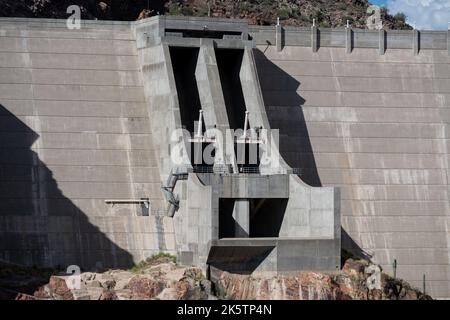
x,y
221,169
145,201
228,169
249,170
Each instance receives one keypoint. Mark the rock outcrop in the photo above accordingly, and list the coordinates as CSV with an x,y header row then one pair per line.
x,y
349,284
165,281
168,281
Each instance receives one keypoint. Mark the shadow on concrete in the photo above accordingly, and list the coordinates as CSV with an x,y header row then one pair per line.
x,y
352,249
39,226
228,226
286,115
266,217
184,63
288,103
229,62
237,259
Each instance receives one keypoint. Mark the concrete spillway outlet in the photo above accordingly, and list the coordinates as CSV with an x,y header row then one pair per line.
x,y
229,62
184,63
251,218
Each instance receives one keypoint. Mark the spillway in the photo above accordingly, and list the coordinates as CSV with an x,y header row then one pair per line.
x,y
87,173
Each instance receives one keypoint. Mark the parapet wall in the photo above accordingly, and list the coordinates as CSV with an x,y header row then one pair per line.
x,y
350,38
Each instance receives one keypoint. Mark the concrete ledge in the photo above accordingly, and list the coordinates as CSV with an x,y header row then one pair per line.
x,y
395,39
61,23
261,35
261,242
249,186
256,256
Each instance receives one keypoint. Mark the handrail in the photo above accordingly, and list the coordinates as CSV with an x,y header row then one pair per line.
x,y
249,170
146,201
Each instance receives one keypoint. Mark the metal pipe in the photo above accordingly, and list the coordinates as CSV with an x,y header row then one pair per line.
x,y
395,268
146,202
246,124
200,125
424,285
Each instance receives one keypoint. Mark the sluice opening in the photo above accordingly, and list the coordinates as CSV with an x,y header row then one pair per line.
x,y
246,147
184,63
229,62
251,218
205,33
266,217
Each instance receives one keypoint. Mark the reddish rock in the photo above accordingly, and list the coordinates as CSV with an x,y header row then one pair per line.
x,y
58,287
182,290
108,295
350,284
144,288
109,284
22,296
145,14
355,267
42,293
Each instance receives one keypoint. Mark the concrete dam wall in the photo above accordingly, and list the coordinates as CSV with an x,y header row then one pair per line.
x,y
74,133
377,126
84,127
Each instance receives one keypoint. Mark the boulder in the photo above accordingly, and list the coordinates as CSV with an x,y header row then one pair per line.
x,y
144,288
58,288
95,293
108,295
168,281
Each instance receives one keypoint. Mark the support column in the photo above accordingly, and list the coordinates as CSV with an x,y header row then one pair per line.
x,y
279,37
348,40
254,102
416,42
314,39
382,42
213,103
241,215
448,40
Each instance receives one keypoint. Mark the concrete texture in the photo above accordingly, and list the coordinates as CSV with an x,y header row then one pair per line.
x,y
266,233
377,127
74,132
85,116
205,200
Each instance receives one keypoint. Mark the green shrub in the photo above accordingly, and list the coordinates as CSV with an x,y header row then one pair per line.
x,y
284,13
400,17
324,24
153,260
244,6
187,11
174,9
203,10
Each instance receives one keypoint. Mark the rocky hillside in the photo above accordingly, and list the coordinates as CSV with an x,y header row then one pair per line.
x,y
162,278
349,284
261,12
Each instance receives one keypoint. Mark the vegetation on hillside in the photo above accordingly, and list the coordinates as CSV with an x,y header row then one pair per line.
x,y
260,12
153,260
